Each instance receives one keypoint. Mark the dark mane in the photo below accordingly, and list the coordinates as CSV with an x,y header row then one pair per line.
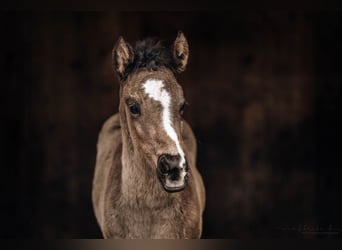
x,y
150,54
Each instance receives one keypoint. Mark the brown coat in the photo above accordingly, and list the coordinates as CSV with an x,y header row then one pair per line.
x,y
128,198
149,211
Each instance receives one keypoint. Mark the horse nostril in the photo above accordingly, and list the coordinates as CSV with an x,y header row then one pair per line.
x,y
186,165
167,163
186,177
163,167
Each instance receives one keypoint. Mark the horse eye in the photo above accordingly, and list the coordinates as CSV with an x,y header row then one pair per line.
x,y
134,109
181,109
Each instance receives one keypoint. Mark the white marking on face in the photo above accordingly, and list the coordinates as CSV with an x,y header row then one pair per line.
x,y
155,90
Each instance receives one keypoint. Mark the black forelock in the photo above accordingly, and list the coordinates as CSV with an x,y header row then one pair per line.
x,y
150,54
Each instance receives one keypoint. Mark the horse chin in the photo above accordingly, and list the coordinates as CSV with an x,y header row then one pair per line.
x,y
174,189
172,186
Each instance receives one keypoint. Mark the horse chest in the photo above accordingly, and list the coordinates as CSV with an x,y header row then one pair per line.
x,y
152,223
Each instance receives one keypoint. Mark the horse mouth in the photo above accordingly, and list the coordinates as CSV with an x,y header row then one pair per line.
x,y
172,185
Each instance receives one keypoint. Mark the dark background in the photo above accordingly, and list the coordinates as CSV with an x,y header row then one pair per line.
x,y
264,90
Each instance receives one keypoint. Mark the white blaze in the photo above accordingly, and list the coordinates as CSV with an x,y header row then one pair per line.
x,y
155,90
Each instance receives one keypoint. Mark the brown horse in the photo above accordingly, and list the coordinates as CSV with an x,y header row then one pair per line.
x,y
146,184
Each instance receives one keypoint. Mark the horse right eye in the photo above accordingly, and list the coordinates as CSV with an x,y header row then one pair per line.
x,y
134,109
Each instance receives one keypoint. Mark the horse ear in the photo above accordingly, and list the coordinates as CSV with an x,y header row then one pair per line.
x,y
122,55
180,52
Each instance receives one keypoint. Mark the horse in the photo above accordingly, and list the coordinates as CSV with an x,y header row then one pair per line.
x,y
146,184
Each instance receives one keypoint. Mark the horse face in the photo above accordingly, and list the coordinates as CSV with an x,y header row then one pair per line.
x,y
153,103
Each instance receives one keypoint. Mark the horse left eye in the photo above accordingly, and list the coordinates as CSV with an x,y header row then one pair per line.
x,y
181,109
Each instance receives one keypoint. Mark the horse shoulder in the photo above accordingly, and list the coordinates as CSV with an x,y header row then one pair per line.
x,y
191,147
107,168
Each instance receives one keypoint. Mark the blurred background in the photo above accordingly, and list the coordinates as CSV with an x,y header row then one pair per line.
x,y
264,90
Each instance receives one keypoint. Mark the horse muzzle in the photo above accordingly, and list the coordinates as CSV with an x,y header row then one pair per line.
x,y
171,174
